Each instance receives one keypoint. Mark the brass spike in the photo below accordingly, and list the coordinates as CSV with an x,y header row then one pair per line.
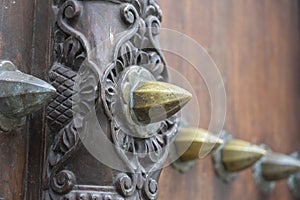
x,y
154,101
238,155
278,166
192,143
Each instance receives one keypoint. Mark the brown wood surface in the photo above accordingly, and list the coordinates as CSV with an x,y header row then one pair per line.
x,y
16,28
25,42
40,65
255,44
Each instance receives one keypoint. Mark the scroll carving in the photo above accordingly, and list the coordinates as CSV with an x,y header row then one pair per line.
x,y
136,52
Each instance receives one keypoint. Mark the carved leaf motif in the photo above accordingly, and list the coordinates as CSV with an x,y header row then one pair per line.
x,y
66,139
78,87
63,182
69,52
138,47
137,186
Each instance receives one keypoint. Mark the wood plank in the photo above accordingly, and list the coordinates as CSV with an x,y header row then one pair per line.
x,y
16,28
255,44
37,125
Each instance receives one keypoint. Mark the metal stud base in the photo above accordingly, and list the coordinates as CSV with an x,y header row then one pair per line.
x,y
177,164
294,181
264,186
220,170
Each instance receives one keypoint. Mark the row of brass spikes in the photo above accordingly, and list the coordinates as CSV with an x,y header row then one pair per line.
x,y
152,102
236,155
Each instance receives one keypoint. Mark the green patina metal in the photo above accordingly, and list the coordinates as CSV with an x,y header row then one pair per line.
x,y
20,95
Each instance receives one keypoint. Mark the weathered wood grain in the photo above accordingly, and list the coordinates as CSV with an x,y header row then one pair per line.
x,y
16,33
256,46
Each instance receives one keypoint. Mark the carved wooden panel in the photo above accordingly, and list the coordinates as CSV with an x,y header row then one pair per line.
x,y
99,49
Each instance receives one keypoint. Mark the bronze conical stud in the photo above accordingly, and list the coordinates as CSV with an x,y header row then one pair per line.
x,y
192,143
21,94
154,101
278,166
238,155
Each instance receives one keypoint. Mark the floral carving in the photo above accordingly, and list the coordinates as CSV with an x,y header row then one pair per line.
x,y
144,156
137,51
70,50
137,186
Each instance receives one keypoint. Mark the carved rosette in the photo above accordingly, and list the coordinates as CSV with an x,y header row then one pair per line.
x,y
137,56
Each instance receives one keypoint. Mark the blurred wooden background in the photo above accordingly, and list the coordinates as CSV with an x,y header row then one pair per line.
x,y
255,44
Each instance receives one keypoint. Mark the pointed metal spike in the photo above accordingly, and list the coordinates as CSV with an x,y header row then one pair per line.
x,y
154,101
278,166
238,155
192,144
21,94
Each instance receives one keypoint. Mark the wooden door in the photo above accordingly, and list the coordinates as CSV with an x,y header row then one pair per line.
x,y
24,40
256,47
255,44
